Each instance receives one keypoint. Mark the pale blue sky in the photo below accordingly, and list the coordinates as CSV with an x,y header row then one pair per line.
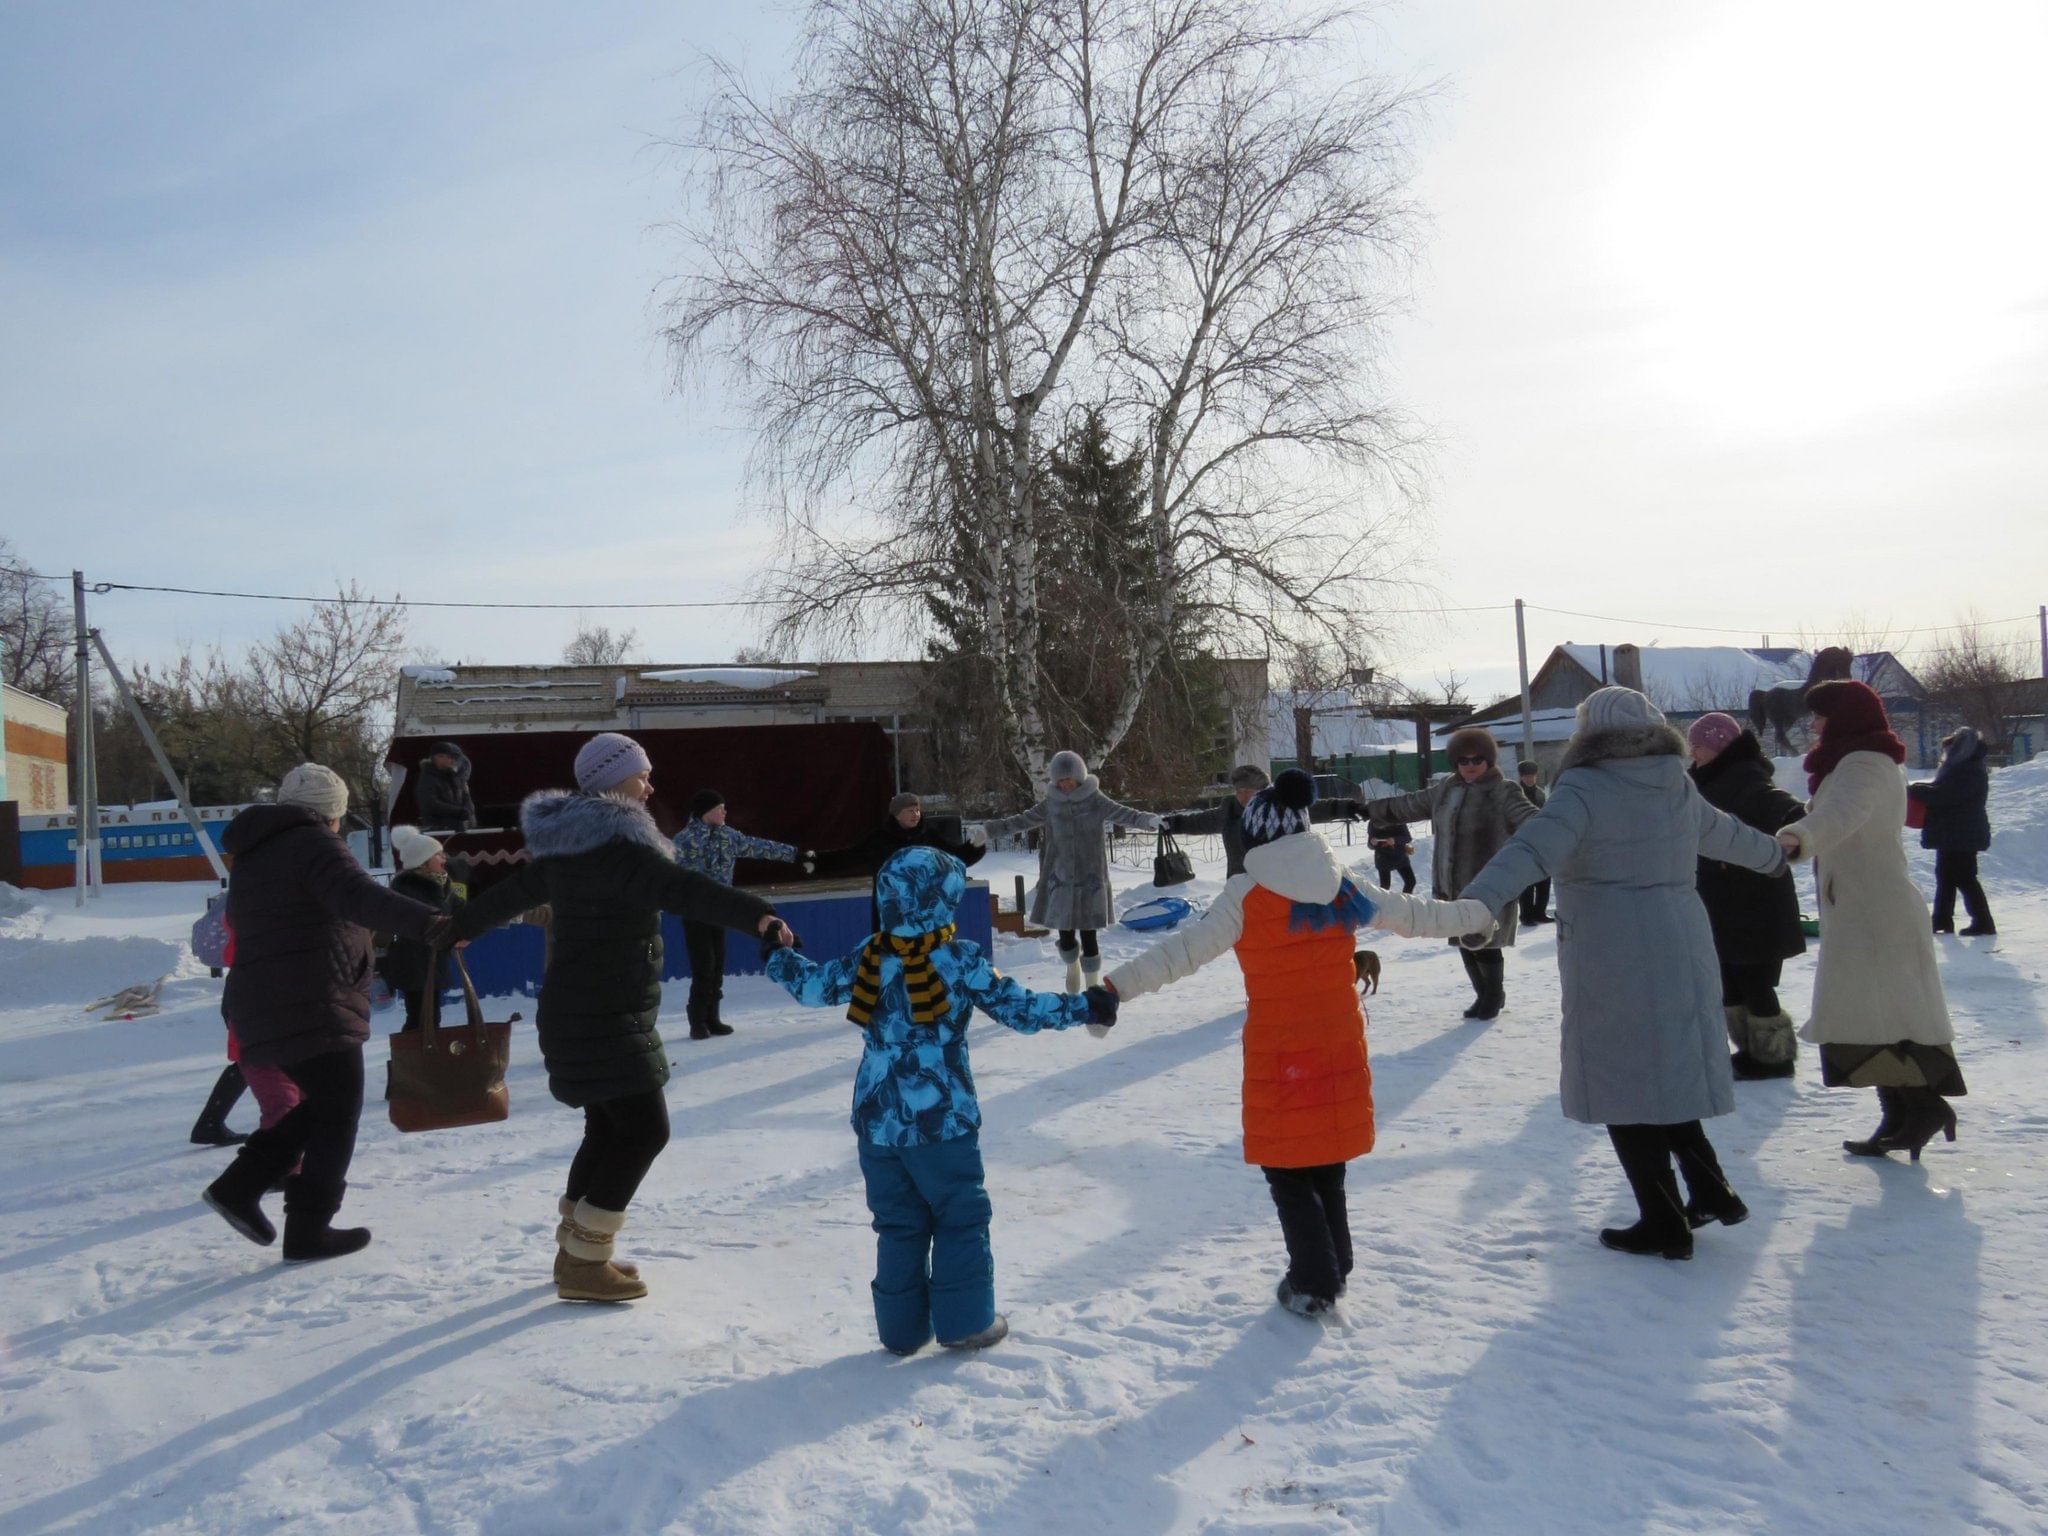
x,y
1732,314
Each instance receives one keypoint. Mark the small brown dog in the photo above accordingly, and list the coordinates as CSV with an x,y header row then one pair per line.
x,y
1367,964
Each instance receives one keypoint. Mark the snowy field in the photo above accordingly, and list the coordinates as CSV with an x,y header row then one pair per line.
x,y
1864,1355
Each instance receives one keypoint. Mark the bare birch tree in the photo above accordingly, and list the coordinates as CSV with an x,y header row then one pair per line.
x,y
966,222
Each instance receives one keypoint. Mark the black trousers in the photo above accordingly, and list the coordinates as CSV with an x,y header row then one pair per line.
x,y
1316,1226
1754,987
1487,969
621,1140
1087,940
1387,864
1536,901
1955,874
706,945
1646,1151
318,1134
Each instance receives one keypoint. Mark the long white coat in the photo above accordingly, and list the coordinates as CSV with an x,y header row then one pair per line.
x,y
1877,982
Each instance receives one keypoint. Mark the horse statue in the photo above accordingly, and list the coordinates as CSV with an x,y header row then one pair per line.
x,y
1783,705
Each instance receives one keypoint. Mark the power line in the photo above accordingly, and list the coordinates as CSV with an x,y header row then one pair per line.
x,y
762,602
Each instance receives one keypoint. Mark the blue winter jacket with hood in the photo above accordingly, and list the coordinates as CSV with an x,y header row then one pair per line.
x,y
914,1086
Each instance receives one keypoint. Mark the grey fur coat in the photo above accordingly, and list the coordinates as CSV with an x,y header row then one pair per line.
x,y
1644,1038
1469,823
1073,854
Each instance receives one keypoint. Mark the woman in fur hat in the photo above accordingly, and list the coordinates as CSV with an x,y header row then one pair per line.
x,y
1472,812
1293,916
1879,1016
1643,1048
1073,894
596,858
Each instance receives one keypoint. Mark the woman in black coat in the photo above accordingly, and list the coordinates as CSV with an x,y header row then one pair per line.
x,y
407,963
1958,828
1755,917
298,998
904,827
596,859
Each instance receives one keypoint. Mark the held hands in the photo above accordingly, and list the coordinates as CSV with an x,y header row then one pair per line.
x,y
807,861
775,934
1102,1006
978,835
1790,842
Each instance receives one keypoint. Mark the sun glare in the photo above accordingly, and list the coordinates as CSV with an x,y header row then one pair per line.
x,y
1834,212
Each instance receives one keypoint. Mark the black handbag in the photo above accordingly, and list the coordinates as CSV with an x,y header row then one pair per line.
x,y
1170,865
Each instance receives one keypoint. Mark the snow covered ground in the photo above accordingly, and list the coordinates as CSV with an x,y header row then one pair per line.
x,y
1863,1355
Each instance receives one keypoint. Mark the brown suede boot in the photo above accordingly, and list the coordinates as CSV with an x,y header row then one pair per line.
x,y
583,1266
567,1208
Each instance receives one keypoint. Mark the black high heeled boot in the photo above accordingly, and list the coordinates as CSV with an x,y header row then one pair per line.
x,y
1892,1117
1925,1113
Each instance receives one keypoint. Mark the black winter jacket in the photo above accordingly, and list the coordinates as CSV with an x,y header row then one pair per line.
x,y
607,874
302,910
442,797
1226,818
1755,918
1956,797
405,963
867,856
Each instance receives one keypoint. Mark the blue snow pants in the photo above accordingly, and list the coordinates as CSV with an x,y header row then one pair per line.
x,y
934,1272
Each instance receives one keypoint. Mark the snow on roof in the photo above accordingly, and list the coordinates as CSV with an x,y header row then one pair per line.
x,y
1546,725
731,677
1338,728
1701,677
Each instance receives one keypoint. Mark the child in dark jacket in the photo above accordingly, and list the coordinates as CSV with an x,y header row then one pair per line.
x,y
407,963
912,988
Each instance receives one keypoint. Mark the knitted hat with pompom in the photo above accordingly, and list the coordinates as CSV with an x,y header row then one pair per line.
x,y
1279,810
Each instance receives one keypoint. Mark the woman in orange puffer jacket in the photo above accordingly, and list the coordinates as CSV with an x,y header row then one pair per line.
x,y
1292,916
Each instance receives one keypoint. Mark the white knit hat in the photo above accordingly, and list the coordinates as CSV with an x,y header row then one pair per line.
x,y
413,846
1617,709
320,790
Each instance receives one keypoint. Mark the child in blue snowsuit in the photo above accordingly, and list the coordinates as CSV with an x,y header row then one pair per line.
x,y
913,987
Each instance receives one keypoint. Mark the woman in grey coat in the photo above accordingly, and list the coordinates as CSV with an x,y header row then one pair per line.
x,y
1472,813
1073,860
1644,1050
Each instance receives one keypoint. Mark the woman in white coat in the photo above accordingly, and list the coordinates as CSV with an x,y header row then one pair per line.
x,y
1878,1012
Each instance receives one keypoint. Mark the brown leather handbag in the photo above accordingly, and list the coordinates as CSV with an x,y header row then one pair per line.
x,y
442,1077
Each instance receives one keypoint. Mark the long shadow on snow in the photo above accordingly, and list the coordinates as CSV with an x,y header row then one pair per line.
x,y
1528,1392
132,1317
112,1232
1883,1436
218,1452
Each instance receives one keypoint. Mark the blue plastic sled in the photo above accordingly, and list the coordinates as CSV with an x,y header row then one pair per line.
x,y
1159,913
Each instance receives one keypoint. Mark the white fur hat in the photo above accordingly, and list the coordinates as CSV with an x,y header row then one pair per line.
x,y
413,846
320,790
1067,765
1617,709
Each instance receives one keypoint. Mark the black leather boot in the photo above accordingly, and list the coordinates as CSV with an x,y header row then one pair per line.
x,y
1661,1227
211,1128
307,1233
1891,1119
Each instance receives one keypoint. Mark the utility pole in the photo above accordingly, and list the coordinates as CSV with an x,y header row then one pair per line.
x,y
1522,661
2044,639
85,805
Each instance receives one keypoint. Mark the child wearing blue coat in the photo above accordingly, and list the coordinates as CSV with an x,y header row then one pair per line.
x,y
912,988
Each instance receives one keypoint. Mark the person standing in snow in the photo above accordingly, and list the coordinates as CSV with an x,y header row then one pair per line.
x,y
298,999
1392,851
1536,899
1643,1050
1755,918
1073,894
709,847
424,877
1879,1016
903,827
1958,828
1472,812
442,795
912,990
1292,917
1225,818
601,865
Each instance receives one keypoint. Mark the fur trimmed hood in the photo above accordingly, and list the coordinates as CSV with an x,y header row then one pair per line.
x,y
561,823
1590,747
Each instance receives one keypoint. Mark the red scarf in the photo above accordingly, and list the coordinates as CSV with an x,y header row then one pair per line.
x,y
1852,720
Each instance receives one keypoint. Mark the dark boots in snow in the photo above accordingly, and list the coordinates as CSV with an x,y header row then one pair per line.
x,y
1910,1120
1710,1197
1891,1103
241,1210
1300,1303
308,1210
211,1128
1661,1227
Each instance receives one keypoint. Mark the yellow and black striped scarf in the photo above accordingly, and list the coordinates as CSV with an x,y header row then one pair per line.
x,y
928,1000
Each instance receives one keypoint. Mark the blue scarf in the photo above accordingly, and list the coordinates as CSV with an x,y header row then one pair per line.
x,y
1351,911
